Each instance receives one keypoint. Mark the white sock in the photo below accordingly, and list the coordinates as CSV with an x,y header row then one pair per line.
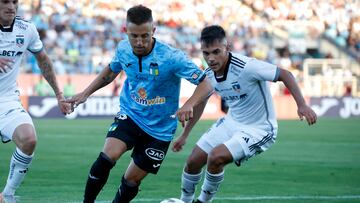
x,y
188,185
18,167
210,186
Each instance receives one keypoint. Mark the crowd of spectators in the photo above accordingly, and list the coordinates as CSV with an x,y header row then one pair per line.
x,y
81,35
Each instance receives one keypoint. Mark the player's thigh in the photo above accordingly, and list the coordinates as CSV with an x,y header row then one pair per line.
x,y
114,148
216,135
121,136
14,117
149,153
247,143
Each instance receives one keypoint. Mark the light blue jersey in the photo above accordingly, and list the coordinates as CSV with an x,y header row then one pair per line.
x,y
150,94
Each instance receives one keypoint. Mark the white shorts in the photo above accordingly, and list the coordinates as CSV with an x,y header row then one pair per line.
x,y
12,114
243,142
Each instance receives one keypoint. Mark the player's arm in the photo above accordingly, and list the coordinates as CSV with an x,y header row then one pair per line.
x,y
201,93
105,77
181,140
48,72
303,109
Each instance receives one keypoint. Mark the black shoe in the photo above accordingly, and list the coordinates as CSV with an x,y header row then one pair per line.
x,y
197,201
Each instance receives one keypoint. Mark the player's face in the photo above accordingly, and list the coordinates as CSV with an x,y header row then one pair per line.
x,y
7,11
140,37
216,55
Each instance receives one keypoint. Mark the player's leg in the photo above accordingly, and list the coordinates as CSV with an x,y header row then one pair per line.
x,y
100,169
147,157
130,183
114,147
192,173
218,158
20,129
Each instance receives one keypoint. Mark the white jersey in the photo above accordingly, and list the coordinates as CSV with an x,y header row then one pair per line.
x,y
245,89
14,42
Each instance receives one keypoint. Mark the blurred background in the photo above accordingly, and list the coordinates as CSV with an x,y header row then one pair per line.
x,y
318,41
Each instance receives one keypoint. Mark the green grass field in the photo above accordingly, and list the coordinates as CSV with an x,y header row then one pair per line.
x,y
307,164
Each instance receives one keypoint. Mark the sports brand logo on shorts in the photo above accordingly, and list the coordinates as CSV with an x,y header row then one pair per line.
x,y
155,154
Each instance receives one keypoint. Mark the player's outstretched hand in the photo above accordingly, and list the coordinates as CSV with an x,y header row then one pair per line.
x,y
178,144
65,108
308,113
185,113
5,65
76,100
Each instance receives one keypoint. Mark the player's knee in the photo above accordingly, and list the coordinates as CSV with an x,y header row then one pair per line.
x,y
216,160
27,143
193,165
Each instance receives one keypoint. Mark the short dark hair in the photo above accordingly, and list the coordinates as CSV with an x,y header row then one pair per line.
x,y
139,14
212,33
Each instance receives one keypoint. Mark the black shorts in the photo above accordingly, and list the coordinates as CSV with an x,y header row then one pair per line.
x,y
148,152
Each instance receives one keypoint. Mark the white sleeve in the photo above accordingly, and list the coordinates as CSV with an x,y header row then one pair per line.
x,y
261,70
35,44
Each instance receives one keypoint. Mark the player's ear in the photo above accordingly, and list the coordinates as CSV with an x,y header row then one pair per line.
x,y
228,48
154,29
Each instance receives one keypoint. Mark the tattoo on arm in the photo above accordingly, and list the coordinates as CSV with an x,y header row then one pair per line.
x,y
47,70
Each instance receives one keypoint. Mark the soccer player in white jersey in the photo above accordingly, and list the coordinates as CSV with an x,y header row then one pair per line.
x,y
250,126
17,36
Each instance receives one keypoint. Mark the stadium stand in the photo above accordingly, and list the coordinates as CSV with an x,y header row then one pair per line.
x,y
81,35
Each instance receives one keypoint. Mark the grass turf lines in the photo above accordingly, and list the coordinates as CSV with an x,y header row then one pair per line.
x,y
307,164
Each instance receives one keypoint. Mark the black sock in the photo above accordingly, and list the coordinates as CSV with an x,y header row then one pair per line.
x,y
126,192
98,176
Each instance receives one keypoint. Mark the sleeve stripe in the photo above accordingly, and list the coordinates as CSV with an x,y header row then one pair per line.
x,y
277,74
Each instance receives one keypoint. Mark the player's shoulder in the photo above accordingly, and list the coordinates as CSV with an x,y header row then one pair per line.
x,y
164,47
168,52
23,24
124,47
239,60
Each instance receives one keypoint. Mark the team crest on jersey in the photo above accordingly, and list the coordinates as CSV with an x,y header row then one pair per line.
x,y
154,69
20,40
236,86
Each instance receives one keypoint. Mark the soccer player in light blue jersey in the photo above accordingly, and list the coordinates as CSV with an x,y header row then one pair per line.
x,y
250,126
149,98
16,37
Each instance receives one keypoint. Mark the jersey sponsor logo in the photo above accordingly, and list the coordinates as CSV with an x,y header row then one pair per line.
x,y
10,53
143,100
235,97
155,154
20,40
